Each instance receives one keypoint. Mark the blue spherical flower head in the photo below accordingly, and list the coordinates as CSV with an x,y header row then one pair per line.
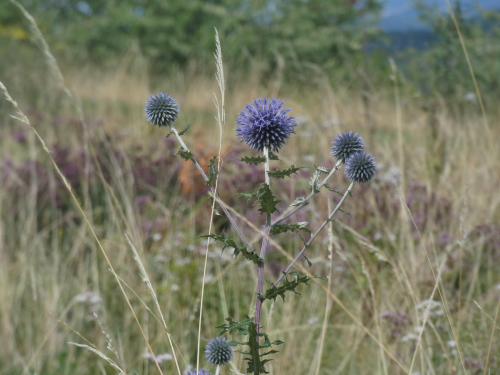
x,y
345,145
218,351
360,167
201,372
265,123
161,109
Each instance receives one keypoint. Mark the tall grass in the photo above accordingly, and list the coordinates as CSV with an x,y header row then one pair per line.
x,y
428,231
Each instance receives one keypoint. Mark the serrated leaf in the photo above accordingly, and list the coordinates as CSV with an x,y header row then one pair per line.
x,y
307,260
283,228
186,155
254,352
247,196
216,207
253,159
345,212
234,343
333,190
255,365
314,182
320,277
233,325
185,130
273,156
250,255
169,134
212,172
274,292
298,201
285,172
323,169
267,200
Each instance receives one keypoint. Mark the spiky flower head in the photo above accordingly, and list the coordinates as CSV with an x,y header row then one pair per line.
x,y
360,167
161,109
201,372
265,123
345,145
218,351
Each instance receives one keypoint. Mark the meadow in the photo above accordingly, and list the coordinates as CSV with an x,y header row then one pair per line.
x,y
412,272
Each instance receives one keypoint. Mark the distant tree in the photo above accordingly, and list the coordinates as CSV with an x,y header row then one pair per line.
x,y
175,31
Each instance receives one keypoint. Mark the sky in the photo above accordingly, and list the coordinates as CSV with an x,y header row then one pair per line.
x,y
401,14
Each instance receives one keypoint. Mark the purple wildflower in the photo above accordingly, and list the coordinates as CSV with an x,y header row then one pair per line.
x,y
360,167
201,372
161,109
218,351
265,124
345,145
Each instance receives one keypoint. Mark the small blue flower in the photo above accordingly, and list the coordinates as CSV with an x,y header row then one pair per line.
x,y
360,167
161,109
201,372
345,145
218,351
265,124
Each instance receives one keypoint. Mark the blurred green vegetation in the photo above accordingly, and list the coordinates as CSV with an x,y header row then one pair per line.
x,y
177,31
290,38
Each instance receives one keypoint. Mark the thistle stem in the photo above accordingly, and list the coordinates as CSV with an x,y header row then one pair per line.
x,y
217,370
265,241
336,168
202,172
339,205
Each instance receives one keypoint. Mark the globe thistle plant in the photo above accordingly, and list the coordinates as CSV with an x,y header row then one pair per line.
x,y
161,109
345,145
218,351
201,372
265,123
360,167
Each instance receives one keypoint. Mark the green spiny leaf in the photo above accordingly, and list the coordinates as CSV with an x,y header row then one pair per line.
x,y
314,182
298,201
274,292
323,169
345,212
255,365
250,255
247,196
248,328
253,159
273,156
186,155
308,261
233,325
320,277
285,172
169,134
185,130
283,228
212,172
333,190
267,200
216,207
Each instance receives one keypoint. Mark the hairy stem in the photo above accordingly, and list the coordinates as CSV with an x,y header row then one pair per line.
x,y
265,241
336,168
202,172
339,205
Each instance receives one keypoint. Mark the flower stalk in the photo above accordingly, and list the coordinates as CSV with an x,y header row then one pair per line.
x,y
329,218
263,251
221,204
335,169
